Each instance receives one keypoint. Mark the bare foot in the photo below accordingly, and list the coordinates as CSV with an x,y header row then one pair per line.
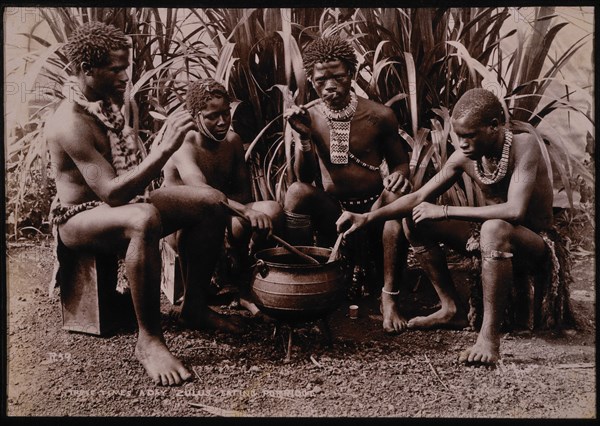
x,y
249,305
162,367
393,322
443,318
211,320
484,351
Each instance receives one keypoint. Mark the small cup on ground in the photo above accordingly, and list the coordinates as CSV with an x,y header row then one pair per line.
x,y
353,311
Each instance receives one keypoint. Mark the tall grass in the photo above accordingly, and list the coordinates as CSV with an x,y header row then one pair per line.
x,y
418,61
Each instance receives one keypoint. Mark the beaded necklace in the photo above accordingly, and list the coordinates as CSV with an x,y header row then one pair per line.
x,y
339,129
339,133
498,174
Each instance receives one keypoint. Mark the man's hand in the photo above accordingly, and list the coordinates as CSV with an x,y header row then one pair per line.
x,y
427,211
299,119
396,181
177,126
350,222
259,221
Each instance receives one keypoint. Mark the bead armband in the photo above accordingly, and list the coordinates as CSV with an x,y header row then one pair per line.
x,y
305,145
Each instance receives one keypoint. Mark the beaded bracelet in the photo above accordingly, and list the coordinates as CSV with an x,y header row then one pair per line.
x,y
391,293
305,147
445,210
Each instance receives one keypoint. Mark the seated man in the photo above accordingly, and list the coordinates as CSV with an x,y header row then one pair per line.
x,y
513,177
213,157
101,206
351,137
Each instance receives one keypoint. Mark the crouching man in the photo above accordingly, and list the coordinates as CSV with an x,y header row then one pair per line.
x,y
212,156
512,175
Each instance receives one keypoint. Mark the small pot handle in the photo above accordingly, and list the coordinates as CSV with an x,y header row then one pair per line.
x,y
261,267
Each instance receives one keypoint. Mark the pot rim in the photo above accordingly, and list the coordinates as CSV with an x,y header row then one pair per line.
x,y
311,250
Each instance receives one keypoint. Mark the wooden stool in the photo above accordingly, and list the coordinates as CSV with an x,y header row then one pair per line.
x,y
171,281
90,302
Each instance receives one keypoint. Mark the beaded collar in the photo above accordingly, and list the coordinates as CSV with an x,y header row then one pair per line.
x,y
339,129
498,174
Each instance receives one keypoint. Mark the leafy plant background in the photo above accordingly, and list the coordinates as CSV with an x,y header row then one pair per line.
x,y
418,61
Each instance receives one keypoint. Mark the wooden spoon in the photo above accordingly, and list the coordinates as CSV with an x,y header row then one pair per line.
x,y
336,248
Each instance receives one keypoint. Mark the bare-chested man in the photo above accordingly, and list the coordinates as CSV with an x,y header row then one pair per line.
x,y
350,136
512,174
213,156
100,183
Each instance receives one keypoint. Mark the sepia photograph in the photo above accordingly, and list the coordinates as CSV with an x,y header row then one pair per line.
x,y
314,212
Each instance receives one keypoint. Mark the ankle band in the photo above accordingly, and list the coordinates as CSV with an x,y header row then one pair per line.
x,y
423,249
496,255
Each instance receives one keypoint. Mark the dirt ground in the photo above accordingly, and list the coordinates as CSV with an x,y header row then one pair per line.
x,y
52,372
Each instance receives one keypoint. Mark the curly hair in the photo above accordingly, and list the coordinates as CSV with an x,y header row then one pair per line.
x,y
479,104
328,49
93,42
201,91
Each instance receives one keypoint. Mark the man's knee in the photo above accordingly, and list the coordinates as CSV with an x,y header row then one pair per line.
x,y
213,198
273,210
413,234
144,220
297,193
496,235
207,206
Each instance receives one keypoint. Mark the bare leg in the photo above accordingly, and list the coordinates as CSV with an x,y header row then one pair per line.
x,y
198,212
323,210
240,241
240,231
395,252
135,228
499,240
433,261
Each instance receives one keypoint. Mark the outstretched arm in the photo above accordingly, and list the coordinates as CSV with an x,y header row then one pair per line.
x,y
522,182
402,207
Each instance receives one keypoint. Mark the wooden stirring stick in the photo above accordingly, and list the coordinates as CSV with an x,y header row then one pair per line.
x,y
336,248
284,243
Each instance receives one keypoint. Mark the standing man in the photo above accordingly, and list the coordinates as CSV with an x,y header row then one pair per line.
x,y
347,137
512,174
100,186
213,157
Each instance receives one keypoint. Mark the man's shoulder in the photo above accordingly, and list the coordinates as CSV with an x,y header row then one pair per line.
x,y
67,121
525,143
188,148
234,139
377,113
232,145
375,106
